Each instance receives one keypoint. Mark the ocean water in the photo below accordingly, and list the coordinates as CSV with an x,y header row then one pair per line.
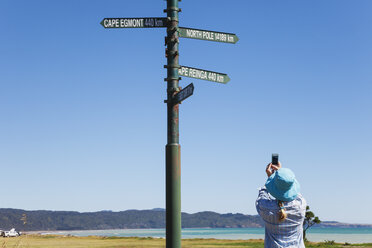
x,y
341,235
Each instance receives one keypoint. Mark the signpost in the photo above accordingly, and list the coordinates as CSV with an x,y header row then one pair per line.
x,y
183,94
174,97
207,35
173,148
146,22
203,74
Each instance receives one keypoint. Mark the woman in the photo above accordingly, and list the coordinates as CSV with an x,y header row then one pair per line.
x,y
282,208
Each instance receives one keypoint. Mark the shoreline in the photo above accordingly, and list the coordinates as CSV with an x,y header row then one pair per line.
x,y
340,235
187,228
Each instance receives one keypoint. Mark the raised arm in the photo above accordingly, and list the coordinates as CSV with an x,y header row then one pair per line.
x,y
271,168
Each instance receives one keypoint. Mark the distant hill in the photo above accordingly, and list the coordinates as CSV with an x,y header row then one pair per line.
x,y
69,220
330,224
130,219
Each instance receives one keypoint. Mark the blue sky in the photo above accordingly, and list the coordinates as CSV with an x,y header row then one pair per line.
x,y
83,123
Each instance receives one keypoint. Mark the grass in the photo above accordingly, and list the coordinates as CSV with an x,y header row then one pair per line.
x,y
57,241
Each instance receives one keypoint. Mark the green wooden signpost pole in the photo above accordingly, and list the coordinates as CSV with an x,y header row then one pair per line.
x,y
174,96
173,149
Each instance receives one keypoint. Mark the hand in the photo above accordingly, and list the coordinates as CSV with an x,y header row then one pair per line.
x,y
271,168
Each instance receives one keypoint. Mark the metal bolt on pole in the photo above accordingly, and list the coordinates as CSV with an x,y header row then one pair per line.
x,y
173,149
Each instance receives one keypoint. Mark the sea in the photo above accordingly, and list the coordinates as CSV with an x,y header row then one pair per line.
x,y
339,235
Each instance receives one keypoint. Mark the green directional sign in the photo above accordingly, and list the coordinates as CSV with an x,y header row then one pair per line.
x,y
145,22
203,74
207,35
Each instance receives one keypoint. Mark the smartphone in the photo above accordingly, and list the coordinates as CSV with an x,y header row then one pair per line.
x,y
275,158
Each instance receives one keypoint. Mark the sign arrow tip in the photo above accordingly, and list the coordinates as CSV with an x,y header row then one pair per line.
x,y
237,39
227,79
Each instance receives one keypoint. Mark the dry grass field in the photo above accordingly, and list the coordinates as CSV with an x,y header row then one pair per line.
x,y
55,241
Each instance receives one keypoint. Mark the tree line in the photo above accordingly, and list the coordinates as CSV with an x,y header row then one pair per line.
x,y
24,220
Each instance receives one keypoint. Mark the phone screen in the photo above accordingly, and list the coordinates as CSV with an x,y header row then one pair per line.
x,y
275,158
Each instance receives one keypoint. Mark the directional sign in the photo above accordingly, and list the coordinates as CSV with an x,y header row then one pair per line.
x,y
145,22
183,94
203,74
207,35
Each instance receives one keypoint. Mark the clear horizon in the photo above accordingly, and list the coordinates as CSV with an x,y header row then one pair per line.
x,y
83,122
